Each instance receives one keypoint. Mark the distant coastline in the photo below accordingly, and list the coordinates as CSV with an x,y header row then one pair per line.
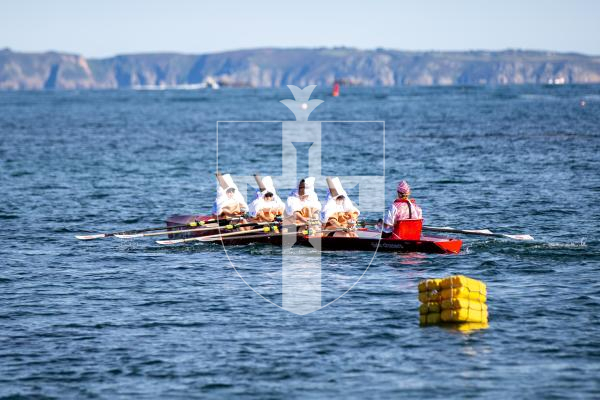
x,y
275,67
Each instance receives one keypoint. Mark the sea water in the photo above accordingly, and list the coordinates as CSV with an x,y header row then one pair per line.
x,y
132,319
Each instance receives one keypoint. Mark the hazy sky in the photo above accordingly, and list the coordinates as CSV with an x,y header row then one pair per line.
x,y
104,28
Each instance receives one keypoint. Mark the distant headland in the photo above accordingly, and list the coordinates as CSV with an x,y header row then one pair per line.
x,y
275,67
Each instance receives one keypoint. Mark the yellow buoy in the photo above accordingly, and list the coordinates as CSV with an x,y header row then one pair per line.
x,y
456,299
461,281
427,308
464,315
430,319
462,293
429,285
428,297
458,303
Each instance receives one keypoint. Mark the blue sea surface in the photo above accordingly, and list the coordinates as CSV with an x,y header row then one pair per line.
x,y
132,319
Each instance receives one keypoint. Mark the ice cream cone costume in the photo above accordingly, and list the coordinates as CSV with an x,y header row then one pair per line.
x,y
339,212
262,209
300,208
228,205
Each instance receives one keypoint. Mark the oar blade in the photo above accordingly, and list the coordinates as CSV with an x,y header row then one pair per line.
x,y
129,235
209,239
520,237
91,237
478,231
170,241
481,232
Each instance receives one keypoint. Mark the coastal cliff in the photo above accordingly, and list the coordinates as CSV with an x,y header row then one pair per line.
x,y
277,67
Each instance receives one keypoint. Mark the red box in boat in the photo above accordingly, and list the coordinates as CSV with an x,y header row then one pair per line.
x,y
408,229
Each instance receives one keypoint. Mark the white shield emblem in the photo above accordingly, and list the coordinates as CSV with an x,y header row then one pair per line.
x,y
301,267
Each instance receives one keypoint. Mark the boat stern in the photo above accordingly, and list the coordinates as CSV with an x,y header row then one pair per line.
x,y
451,246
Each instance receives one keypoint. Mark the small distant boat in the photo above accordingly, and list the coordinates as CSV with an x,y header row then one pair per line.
x,y
336,89
209,83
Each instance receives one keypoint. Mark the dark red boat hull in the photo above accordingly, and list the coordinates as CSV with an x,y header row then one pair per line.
x,y
367,242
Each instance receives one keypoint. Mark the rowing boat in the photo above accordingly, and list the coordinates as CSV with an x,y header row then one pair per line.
x,y
366,240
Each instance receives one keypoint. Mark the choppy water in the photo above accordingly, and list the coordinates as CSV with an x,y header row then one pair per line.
x,y
116,319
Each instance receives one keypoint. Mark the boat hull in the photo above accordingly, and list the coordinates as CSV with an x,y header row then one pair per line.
x,y
367,241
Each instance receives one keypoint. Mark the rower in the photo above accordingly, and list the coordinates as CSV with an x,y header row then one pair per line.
x,y
229,202
267,205
404,218
339,213
303,204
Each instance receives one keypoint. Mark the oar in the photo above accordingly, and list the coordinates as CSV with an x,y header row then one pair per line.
x,y
479,232
213,238
259,235
209,227
347,230
192,224
244,234
132,232
219,236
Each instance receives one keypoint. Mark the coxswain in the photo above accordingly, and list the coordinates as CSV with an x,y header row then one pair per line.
x,y
303,204
267,205
339,213
402,209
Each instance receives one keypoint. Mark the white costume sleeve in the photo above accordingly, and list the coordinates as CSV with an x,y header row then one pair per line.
x,y
293,204
350,207
329,209
390,219
348,204
242,202
254,207
279,204
222,200
313,202
219,201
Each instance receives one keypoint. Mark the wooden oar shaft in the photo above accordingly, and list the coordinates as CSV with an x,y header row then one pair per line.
x,y
131,232
204,228
258,235
238,233
134,231
477,232
218,236
336,230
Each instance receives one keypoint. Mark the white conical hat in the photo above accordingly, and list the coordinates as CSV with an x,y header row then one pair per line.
x,y
335,187
309,184
226,182
268,184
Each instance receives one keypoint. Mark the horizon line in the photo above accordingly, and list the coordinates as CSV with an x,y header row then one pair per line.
x,y
224,51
